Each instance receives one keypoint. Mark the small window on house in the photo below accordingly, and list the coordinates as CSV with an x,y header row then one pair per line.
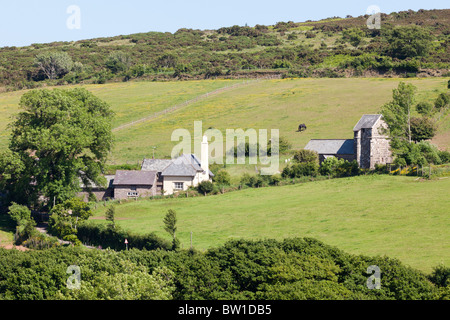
x,y
179,185
133,188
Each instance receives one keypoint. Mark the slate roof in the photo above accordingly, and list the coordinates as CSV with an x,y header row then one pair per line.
x,y
180,169
157,165
186,165
367,121
331,146
134,177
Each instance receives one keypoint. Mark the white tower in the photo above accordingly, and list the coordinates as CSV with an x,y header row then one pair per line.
x,y
204,159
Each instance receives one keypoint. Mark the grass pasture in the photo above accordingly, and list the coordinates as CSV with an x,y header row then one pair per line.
x,y
372,215
329,107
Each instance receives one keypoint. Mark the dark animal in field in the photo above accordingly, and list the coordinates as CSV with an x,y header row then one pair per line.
x,y
301,127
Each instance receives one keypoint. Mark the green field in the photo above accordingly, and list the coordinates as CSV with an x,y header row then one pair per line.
x,y
129,100
329,107
372,215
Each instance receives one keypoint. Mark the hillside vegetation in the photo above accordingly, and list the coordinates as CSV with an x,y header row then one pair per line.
x,y
408,43
292,269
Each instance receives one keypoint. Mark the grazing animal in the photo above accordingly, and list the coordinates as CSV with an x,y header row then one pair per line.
x,y
301,127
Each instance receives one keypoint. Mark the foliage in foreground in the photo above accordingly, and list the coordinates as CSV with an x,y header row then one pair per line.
x,y
290,269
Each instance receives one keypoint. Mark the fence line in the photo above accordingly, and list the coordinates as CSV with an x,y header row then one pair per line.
x,y
187,102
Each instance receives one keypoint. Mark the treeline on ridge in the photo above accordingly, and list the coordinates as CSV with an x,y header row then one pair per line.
x,y
407,43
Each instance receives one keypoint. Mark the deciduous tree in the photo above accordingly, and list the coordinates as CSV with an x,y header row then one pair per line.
x,y
54,64
60,139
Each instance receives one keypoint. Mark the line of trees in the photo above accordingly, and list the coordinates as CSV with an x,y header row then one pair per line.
x,y
291,269
409,134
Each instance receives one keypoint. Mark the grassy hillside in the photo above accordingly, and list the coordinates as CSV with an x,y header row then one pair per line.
x,y
371,215
329,107
129,100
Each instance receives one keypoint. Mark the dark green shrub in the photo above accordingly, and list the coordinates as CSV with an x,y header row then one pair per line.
x,y
440,276
305,155
101,235
424,108
222,177
444,156
205,187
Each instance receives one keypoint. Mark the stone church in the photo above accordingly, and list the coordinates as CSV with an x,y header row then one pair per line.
x,y
369,146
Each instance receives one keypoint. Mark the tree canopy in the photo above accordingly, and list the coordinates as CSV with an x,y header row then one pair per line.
x,y
60,139
54,64
397,113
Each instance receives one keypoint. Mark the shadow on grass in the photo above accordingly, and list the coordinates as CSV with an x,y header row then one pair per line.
x,y
6,224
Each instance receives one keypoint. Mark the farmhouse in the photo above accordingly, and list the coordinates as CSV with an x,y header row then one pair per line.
x,y
156,177
369,146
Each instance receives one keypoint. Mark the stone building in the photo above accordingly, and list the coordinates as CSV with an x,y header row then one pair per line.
x,y
369,146
134,184
156,177
339,148
181,173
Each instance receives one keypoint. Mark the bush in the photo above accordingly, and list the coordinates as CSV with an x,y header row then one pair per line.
x,y
275,180
101,235
424,108
222,177
444,156
19,213
408,41
442,101
205,187
420,153
354,36
310,34
422,129
328,166
40,241
440,276
298,170
305,155
339,167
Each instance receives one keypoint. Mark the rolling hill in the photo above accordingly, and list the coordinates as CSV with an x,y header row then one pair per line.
x,y
329,107
332,47
373,215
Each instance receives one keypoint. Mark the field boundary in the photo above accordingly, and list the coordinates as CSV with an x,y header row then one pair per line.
x,y
188,102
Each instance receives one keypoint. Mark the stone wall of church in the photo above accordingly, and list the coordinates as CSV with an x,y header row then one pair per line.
x,y
380,146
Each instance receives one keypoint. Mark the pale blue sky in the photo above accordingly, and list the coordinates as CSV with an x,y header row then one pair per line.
x,y
23,22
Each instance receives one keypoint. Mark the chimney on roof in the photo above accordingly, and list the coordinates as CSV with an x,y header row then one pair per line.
x,y
204,155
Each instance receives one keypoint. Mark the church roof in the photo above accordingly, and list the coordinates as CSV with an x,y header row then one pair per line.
x,y
367,121
331,146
